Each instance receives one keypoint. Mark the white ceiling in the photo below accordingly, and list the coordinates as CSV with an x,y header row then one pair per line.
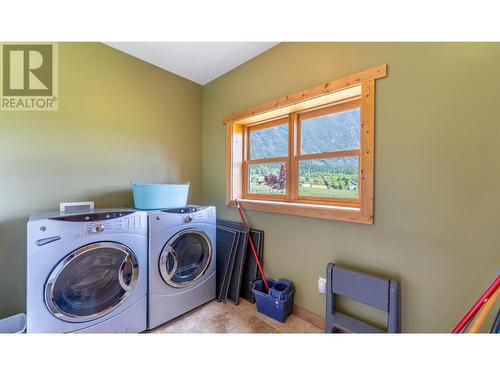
x,y
200,62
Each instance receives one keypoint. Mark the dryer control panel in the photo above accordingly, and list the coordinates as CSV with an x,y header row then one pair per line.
x,y
197,216
183,216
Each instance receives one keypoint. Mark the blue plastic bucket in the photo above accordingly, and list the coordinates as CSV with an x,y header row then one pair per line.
x,y
277,303
159,196
281,290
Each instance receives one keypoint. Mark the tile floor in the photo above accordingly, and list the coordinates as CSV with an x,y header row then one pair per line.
x,y
215,317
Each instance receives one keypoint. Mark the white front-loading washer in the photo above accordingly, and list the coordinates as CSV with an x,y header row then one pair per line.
x,y
87,272
181,261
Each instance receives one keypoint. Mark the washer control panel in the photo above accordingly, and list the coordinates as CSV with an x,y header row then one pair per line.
x,y
95,216
127,224
91,226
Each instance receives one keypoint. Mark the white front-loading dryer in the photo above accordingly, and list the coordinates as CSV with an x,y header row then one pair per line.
x,y
87,272
182,258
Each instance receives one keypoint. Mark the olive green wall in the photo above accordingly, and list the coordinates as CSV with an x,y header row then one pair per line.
x,y
437,176
119,119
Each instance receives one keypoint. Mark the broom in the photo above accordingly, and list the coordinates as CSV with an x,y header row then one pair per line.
x,y
264,278
477,306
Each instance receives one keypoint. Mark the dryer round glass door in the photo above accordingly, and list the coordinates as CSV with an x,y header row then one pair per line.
x,y
185,258
91,282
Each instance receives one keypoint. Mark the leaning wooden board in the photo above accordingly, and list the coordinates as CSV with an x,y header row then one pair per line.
x,y
234,285
233,276
250,269
227,240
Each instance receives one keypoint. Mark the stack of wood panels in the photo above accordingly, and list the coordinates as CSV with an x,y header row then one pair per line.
x,y
236,265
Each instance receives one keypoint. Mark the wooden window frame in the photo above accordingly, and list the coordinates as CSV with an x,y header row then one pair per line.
x,y
357,90
247,160
354,102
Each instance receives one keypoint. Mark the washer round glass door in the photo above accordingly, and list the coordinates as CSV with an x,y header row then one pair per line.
x,y
185,258
91,282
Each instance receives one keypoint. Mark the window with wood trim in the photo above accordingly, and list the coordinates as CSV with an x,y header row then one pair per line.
x,y
310,153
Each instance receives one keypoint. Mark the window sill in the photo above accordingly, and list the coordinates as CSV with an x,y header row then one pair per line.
x,y
348,214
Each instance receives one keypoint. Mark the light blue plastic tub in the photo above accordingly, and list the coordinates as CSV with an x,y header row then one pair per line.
x,y
160,196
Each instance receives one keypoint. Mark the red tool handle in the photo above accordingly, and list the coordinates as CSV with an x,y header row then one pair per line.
x,y
479,303
252,246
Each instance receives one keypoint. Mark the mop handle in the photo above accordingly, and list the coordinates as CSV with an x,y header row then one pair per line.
x,y
252,246
483,313
479,303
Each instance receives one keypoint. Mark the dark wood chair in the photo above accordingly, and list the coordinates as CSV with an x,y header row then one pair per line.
x,y
380,293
